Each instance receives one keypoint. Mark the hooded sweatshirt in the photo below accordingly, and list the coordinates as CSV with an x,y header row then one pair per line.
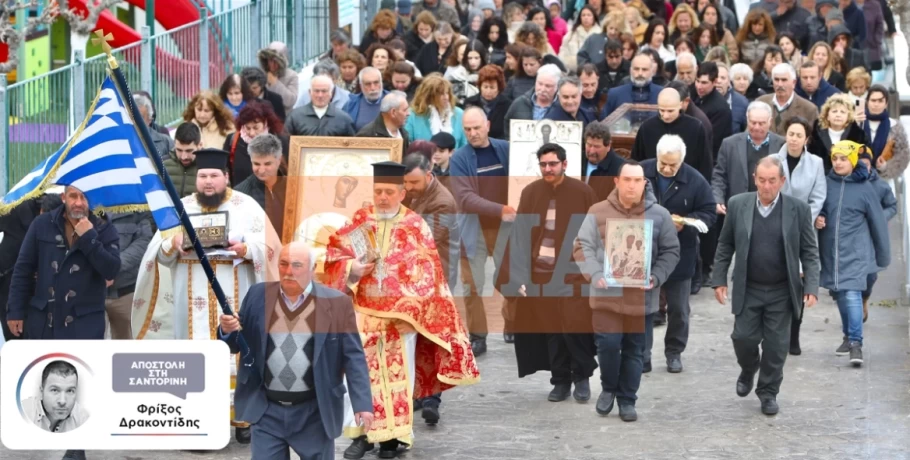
x,y
852,56
853,18
287,83
817,29
590,249
855,239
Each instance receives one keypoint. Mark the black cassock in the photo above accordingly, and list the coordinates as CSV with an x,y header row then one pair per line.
x,y
552,324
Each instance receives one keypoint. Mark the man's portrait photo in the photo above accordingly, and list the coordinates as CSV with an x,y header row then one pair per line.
x,y
56,407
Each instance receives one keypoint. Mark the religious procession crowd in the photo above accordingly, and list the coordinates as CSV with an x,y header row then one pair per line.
x,y
770,146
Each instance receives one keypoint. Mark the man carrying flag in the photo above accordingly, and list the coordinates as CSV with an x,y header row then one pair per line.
x,y
180,304
60,278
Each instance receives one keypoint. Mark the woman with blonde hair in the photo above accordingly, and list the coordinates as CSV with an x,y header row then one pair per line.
x,y
858,83
683,21
434,110
615,25
837,121
756,34
215,121
635,22
514,16
824,56
718,54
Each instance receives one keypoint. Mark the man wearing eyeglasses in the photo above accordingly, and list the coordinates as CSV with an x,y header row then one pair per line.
x,y
552,320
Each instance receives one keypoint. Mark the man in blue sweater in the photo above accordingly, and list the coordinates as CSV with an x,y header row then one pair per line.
x,y
479,179
364,107
813,86
640,90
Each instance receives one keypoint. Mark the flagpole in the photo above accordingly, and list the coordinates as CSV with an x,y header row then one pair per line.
x,y
245,354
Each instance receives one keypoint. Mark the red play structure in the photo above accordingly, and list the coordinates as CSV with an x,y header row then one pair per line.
x,y
177,71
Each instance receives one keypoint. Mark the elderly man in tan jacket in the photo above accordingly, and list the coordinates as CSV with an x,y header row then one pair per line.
x,y
785,103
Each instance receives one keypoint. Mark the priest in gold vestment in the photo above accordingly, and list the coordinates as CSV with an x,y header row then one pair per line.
x,y
173,298
414,340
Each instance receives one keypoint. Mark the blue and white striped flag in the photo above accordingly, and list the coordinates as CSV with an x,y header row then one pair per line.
x,y
106,159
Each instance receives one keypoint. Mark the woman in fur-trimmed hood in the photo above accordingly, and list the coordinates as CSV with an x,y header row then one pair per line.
x,y
885,135
281,79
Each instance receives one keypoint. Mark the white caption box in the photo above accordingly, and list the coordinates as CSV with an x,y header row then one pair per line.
x,y
123,395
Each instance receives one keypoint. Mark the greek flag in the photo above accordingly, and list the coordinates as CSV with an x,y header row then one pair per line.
x,y
106,159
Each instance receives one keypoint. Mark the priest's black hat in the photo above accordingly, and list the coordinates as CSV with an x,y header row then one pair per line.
x,y
388,172
212,159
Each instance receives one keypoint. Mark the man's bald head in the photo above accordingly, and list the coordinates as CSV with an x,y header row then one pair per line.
x,y
476,127
668,105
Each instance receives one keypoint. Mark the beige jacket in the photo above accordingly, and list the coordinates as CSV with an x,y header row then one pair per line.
x,y
211,136
571,43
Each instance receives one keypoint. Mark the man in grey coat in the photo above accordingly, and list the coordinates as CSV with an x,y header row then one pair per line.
x,y
733,170
136,230
625,299
770,234
320,117
393,113
535,104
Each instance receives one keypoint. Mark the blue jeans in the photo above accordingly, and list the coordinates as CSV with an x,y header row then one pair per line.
x,y
850,304
620,349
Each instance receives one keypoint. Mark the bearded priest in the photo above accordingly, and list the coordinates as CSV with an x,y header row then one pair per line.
x,y
414,340
178,302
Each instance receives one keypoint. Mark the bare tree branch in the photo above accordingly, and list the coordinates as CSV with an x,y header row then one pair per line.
x,y
84,25
13,37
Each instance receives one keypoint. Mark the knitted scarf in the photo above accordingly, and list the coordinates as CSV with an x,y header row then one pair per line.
x,y
881,134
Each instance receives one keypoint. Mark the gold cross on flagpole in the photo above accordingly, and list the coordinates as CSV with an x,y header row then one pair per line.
x,y
103,40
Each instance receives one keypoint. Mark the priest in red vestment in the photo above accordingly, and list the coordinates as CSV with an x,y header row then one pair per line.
x,y
414,340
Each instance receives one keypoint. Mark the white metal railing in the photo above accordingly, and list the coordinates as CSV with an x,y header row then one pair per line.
x,y
36,115
901,58
903,201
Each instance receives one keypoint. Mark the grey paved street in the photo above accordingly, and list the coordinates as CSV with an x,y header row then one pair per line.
x,y
829,410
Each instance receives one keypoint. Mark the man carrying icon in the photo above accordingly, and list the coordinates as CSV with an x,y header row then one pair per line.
x,y
413,337
184,306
